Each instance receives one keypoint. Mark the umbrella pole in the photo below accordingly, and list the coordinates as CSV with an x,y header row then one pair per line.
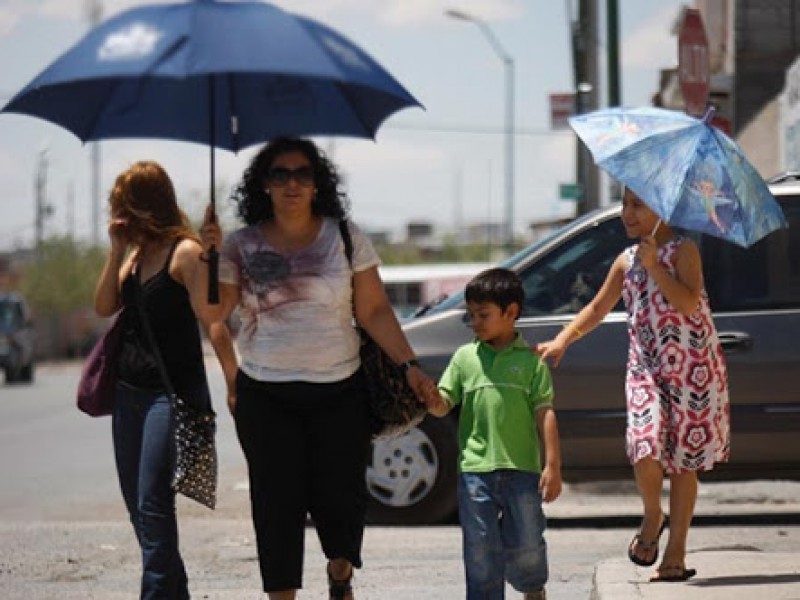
x,y
213,255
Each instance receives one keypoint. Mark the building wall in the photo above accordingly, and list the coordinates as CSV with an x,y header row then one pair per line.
x,y
767,40
760,140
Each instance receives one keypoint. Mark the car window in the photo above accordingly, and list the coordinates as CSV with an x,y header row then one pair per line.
x,y
457,300
566,279
764,276
10,315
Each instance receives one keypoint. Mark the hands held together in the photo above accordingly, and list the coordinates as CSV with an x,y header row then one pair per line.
x,y
427,392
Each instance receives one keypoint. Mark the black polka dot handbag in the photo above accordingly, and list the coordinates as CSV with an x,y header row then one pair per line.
x,y
393,406
194,430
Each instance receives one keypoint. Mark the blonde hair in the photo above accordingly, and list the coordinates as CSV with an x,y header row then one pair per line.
x,y
145,197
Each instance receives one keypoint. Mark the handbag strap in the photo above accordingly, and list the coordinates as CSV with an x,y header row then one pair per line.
x,y
151,338
348,242
348,252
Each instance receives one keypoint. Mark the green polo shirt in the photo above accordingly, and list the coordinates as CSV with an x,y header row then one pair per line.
x,y
499,394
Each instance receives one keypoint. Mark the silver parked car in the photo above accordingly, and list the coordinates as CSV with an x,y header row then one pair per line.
x,y
755,295
16,338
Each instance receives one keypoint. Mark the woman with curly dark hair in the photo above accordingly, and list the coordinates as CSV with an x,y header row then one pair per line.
x,y
301,406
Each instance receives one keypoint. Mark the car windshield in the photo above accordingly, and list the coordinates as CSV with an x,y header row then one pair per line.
x,y
10,315
457,300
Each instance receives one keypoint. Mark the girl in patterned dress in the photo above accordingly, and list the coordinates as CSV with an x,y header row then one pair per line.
x,y
676,383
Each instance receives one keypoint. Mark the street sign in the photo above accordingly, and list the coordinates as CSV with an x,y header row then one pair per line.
x,y
562,107
570,191
694,73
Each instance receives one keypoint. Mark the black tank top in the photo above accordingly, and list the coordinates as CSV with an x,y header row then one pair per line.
x,y
174,325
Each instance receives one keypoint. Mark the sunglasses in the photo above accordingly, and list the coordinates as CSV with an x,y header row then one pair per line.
x,y
280,176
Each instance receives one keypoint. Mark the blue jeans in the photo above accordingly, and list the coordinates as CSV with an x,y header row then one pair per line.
x,y
144,452
503,525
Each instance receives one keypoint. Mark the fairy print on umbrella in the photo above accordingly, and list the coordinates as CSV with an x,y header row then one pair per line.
x,y
689,172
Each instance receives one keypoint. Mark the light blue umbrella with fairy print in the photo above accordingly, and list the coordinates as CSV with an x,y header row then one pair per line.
x,y
689,172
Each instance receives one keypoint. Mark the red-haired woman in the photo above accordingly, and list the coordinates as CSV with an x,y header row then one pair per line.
x,y
154,259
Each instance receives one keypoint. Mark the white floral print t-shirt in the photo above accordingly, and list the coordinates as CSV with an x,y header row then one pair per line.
x,y
296,308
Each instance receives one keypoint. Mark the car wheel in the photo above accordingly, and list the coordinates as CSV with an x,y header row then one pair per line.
x,y
26,373
411,479
12,367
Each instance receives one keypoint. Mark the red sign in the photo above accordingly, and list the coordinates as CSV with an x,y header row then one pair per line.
x,y
562,107
693,64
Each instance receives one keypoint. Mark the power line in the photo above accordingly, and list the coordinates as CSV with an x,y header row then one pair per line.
x,y
475,130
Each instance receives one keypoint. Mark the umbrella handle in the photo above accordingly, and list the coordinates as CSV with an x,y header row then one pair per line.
x,y
213,275
658,224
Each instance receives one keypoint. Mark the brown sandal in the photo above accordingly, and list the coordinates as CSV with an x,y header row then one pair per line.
x,y
647,547
673,574
340,589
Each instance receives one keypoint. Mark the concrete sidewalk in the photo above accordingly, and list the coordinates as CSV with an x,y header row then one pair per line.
x,y
728,575
731,573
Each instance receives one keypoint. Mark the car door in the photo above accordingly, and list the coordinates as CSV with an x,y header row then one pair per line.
x,y
755,296
589,382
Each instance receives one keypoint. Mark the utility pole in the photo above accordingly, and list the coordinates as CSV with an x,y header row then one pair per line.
x,y
94,12
71,211
614,97
43,209
612,42
584,56
508,151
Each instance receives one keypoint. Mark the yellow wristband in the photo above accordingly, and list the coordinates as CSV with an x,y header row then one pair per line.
x,y
575,329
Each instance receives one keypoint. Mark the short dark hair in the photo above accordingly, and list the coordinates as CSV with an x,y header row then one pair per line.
x,y
502,287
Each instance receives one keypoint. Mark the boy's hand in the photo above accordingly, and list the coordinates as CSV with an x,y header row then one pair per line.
x,y
433,400
550,484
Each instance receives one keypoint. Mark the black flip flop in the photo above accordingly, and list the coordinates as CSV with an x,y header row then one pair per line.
x,y
679,574
646,546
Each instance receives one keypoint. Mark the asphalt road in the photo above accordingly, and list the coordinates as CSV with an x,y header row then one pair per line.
x,y
64,532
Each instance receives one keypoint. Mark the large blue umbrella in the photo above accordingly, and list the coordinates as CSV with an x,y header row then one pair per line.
x,y
689,172
226,74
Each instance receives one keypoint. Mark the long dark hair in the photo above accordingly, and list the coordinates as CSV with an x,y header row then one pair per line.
x,y
254,205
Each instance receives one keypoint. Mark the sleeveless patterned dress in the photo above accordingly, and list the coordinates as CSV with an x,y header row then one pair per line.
x,y
676,385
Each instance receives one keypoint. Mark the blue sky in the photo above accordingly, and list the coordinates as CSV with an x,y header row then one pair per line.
x,y
443,164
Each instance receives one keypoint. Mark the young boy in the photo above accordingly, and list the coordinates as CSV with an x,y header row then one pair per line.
x,y
505,393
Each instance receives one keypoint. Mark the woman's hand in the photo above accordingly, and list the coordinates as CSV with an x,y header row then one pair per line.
x,y
231,397
210,231
420,383
119,235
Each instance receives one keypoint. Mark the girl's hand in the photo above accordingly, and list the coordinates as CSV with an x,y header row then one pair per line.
x,y
648,253
553,349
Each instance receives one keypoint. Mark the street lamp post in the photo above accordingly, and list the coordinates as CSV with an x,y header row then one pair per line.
x,y
508,158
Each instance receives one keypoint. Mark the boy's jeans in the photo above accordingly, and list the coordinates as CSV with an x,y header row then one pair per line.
x,y
143,448
502,525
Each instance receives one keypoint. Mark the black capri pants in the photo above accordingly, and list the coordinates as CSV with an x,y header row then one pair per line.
x,y
306,446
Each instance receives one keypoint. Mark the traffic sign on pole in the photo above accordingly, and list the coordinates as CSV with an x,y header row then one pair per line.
x,y
694,73
570,191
